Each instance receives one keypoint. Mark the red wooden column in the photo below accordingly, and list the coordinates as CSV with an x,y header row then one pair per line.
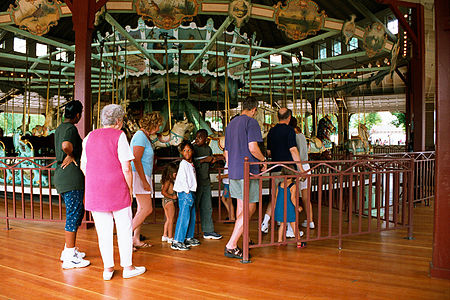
x,y
440,265
418,79
415,96
83,16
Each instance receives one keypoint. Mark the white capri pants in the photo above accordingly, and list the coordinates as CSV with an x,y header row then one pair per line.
x,y
104,224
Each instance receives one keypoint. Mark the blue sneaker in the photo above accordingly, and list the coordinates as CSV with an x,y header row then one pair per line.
x,y
212,236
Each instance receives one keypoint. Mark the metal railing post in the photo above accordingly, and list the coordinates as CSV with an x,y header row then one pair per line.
x,y
245,207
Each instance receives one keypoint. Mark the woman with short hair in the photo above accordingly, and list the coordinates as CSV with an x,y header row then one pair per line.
x,y
69,182
106,162
142,172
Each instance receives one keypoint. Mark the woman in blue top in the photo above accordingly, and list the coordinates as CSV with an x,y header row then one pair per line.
x,y
142,172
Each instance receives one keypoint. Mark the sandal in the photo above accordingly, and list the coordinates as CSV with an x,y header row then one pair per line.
x,y
144,245
233,253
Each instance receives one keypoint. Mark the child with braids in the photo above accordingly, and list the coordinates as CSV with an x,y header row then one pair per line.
x,y
167,180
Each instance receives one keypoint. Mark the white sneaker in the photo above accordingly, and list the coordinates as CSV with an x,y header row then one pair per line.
x,y
132,273
169,240
265,227
77,251
291,234
311,224
75,262
164,238
107,275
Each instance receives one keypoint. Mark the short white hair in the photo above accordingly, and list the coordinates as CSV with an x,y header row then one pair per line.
x,y
111,114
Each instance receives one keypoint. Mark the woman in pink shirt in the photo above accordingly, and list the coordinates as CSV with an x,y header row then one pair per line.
x,y
106,162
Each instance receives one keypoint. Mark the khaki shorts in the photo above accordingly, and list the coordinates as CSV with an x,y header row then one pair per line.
x,y
237,189
304,184
138,187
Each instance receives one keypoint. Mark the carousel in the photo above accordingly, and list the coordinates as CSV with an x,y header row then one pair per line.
x,y
194,61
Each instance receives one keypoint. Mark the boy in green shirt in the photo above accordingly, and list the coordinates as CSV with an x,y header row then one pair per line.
x,y
203,157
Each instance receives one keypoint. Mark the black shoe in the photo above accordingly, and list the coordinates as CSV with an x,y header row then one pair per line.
x,y
212,236
179,246
192,242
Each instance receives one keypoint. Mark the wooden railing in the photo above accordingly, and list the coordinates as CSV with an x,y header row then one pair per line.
x,y
353,197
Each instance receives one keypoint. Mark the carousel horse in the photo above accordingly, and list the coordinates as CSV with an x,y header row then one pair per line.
x,y
24,149
4,164
39,130
180,131
50,120
319,146
360,144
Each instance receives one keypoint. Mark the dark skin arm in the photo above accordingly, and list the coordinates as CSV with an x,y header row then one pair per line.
x,y
165,191
67,147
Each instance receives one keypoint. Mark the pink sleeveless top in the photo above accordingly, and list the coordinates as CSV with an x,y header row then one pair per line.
x,y
105,185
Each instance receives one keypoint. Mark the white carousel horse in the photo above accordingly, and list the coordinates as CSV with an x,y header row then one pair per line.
x,y
180,131
360,144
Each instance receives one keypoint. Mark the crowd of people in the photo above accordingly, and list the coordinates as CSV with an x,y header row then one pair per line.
x,y
107,171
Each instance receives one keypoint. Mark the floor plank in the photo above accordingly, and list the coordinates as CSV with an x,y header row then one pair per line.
x,y
374,266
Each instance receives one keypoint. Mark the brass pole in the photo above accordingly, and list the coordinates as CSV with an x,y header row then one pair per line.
x,y
301,92
125,81
25,96
293,88
227,106
99,86
168,83
270,84
113,67
250,71
59,93
321,88
315,100
48,81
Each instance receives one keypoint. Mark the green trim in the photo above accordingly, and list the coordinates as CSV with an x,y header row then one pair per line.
x,y
128,36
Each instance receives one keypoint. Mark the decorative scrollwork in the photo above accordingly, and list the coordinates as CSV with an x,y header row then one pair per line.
x,y
299,18
167,14
36,16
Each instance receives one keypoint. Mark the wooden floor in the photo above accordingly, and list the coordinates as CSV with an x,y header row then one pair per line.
x,y
376,266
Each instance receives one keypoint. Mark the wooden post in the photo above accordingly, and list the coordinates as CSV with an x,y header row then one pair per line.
x,y
83,15
440,265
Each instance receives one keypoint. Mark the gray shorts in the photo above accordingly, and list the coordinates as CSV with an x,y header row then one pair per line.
x,y
237,189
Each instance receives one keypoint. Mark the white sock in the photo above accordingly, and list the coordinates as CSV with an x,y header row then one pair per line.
x,y
70,250
289,227
266,219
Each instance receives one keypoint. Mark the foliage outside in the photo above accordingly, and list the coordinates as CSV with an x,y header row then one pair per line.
x,y
6,120
400,120
371,120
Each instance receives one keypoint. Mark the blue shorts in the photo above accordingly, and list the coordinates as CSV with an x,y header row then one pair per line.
x,y
74,209
226,190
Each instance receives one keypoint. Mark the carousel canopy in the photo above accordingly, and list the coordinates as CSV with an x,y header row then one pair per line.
x,y
289,51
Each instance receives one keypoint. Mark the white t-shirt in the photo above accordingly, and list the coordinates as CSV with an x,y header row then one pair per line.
x,y
123,151
186,180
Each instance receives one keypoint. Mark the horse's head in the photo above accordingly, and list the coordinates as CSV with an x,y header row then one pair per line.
x,y
183,128
362,130
325,128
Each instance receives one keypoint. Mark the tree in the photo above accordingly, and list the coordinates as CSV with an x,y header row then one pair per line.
x,y
372,119
400,120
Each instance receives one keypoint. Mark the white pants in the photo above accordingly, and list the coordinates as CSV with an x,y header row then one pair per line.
x,y
104,224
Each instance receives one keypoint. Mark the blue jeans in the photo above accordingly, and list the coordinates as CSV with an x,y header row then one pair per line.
x,y
186,217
